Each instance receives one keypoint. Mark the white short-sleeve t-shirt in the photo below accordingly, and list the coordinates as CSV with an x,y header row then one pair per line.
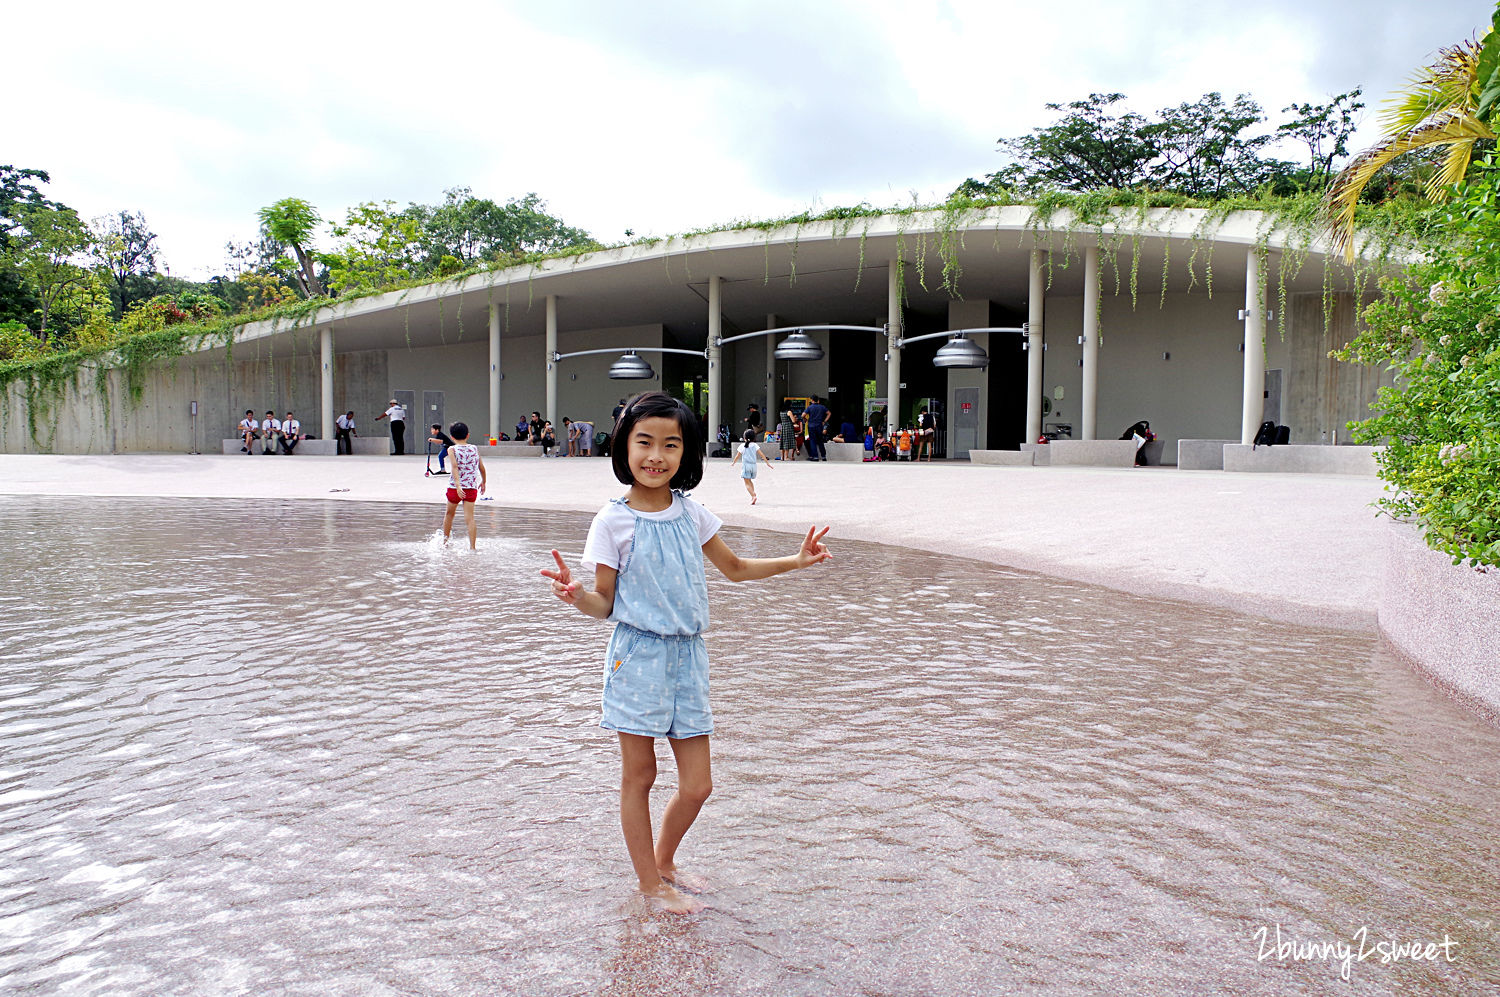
x,y
613,530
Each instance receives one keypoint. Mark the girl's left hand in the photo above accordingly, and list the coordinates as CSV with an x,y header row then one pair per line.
x,y
813,551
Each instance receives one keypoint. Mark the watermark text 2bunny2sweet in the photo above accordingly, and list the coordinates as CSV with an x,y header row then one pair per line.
x,y
1360,947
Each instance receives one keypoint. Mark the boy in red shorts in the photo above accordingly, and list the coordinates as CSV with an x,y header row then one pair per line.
x,y
467,482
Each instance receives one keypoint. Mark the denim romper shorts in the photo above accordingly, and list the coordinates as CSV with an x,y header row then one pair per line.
x,y
656,671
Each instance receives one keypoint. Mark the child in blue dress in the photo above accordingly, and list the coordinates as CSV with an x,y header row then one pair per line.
x,y
647,550
751,453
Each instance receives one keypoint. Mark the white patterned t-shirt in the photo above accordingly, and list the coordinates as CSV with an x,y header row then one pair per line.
x,y
465,457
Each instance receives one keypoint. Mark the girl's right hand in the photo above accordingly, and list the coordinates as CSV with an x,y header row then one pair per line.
x,y
563,585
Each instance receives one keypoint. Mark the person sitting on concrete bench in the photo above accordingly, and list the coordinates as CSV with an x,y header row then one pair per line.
x,y
270,432
291,434
249,430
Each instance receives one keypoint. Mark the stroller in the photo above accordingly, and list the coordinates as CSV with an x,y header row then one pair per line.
x,y
723,450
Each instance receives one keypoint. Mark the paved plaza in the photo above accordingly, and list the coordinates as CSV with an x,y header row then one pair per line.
x,y
1300,548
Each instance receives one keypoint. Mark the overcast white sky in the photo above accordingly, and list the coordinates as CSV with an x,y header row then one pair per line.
x,y
654,116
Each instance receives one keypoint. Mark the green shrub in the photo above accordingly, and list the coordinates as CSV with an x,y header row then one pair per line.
x,y
1438,329
17,342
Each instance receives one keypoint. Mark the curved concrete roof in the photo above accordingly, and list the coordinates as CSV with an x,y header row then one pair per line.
x,y
823,271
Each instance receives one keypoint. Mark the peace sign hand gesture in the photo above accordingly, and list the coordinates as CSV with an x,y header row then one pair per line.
x,y
563,585
813,551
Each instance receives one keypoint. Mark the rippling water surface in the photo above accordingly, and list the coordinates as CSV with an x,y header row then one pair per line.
x,y
298,748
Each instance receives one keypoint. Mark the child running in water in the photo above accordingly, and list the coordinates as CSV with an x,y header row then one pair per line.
x,y
467,483
646,550
752,455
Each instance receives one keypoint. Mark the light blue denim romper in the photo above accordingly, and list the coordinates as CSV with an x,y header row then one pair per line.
x,y
749,461
656,675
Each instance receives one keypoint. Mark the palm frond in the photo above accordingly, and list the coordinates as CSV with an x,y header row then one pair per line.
x,y
1453,128
1449,83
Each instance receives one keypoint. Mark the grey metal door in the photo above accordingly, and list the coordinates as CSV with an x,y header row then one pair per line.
x,y
965,421
1271,411
408,401
432,412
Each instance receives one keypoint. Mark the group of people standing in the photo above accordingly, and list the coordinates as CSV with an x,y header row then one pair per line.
x,y
272,433
795,430
539,432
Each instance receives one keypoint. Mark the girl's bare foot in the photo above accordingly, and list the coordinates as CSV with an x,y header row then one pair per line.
x,y
685,880
668,898
753,500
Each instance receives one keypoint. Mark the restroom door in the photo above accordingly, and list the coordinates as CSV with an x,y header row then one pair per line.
x,y
408,401
1271,410
965,421
432,411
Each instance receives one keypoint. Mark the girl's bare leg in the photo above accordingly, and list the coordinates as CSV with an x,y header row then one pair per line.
x,y
694,784
448,521
750,487
473,530
637,774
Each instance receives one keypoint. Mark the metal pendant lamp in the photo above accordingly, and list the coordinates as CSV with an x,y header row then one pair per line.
x,y
799,346
961,352
631,367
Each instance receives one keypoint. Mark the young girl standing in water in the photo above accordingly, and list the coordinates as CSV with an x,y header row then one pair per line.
x,y
647,550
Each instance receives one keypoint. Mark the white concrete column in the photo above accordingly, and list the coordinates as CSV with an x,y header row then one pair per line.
x,y
325,400
773,402
893,352
1090,341
1034,302
551,365
715,360
1254,404
495,371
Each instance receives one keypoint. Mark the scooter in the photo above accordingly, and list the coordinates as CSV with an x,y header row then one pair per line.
x,y
430,472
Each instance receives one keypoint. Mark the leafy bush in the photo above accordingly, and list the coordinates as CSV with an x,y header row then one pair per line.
x,y
1438,329
17,342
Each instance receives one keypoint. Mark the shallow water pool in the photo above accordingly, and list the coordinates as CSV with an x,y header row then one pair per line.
x,y
300,748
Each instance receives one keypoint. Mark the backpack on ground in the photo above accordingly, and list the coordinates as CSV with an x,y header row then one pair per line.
x,y
1266,437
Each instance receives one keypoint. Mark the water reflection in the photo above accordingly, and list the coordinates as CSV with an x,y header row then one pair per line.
x,y
299,748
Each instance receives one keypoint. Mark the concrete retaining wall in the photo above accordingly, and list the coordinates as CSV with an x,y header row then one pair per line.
x,y
1301,459
1442,617
1003,458
95,415
1202,455
1093,453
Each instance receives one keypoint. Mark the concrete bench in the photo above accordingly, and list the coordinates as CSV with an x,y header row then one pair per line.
x,y
1092,453
842,451
318,448
1041,453
1301,458
1003,458
1202,455
511,448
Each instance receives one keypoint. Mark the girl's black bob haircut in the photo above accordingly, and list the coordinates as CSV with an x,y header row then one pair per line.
x,y
651,405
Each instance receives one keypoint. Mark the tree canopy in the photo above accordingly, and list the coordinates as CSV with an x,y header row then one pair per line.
x,y
1207,149
64,283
